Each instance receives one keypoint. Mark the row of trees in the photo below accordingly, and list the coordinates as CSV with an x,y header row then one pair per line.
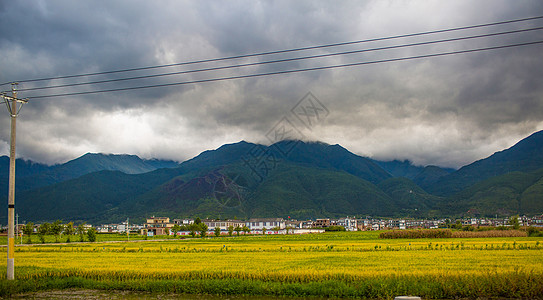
x,y
194,228
57,229
201,229
198,227
514,223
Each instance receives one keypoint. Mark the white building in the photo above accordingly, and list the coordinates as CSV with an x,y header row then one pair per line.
x,y
181,222
222,224
350,224
259,224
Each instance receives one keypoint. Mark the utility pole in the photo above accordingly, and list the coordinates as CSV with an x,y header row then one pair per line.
x,y
11,103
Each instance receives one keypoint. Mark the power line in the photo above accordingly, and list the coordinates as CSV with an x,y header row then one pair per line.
x,y
292,71
282,60
283,51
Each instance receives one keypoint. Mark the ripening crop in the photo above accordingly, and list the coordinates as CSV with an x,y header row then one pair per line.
x,y
443,267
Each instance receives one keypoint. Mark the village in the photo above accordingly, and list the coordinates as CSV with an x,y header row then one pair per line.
x,y
166,226
157,226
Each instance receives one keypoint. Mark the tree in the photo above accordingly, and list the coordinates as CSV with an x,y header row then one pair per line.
x,y
91,234
264,230
457,225
203,230
246,229
175,229
230,230
56,229
513,221
81,232
69,231
237,229
42,231
217,231
197,221
193,228
28,229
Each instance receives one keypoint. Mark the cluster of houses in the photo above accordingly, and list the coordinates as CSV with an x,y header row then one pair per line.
x,y
165,226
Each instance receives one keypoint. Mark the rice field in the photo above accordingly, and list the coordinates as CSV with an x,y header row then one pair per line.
x,y
348,265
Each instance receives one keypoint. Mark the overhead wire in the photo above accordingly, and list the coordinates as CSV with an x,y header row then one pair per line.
x,y
279,51
281,60
292,71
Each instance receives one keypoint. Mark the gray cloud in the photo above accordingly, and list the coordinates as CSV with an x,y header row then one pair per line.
x,y
447,111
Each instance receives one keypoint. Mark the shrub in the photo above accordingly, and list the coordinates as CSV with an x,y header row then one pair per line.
x,y
334,228
468,228
91,234
532,231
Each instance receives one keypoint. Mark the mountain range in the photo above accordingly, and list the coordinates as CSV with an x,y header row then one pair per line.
x,y
289,178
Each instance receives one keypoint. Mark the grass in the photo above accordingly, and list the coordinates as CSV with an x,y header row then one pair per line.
x,y
101,237
331,265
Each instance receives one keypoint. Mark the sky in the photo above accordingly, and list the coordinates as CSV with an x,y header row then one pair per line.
x,y
447,110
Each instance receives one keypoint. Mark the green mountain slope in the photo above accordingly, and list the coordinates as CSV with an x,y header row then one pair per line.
x,y
508,194
92,197
313,154
224,155
429,176
303,192
333,157
290,190
532,199
398,168
424,177
525,156
411,200
202,194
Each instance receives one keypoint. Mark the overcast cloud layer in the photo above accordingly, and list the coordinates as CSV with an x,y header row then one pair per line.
x,y
447,111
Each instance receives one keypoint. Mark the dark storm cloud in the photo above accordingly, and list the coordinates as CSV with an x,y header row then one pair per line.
x,y
447,110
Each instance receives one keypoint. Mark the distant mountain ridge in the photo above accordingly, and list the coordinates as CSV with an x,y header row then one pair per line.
x,y
335,157
524,156
400,168
311,179
129,164
422,176
33,175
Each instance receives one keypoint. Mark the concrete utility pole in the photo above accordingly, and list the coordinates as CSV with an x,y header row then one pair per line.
x,y
11,103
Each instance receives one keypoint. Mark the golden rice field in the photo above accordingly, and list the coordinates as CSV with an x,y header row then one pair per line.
x,y
347,265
